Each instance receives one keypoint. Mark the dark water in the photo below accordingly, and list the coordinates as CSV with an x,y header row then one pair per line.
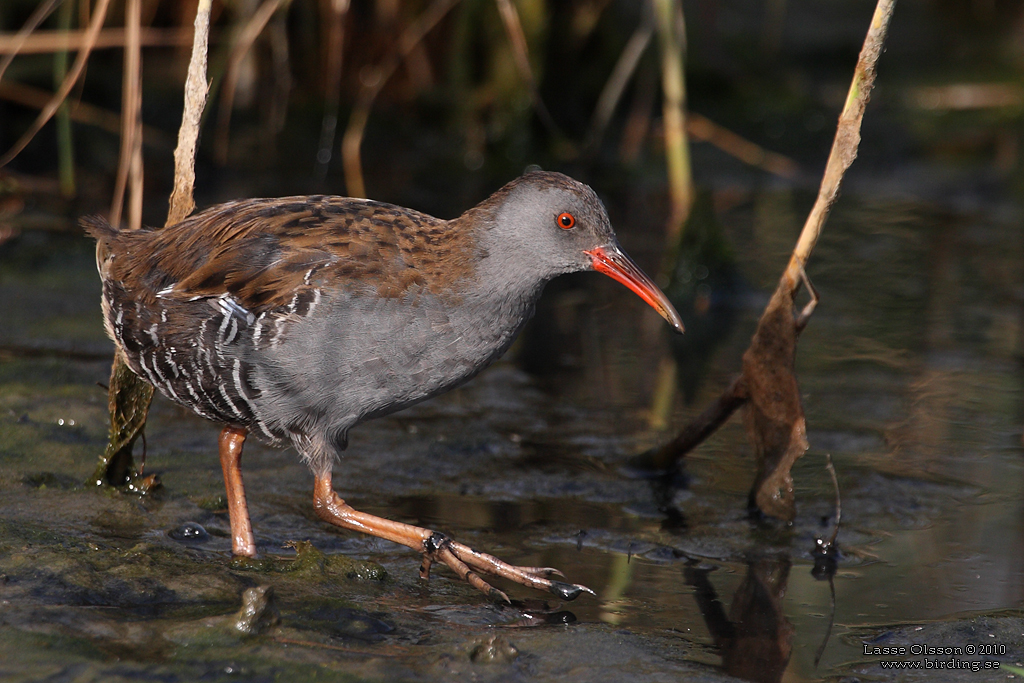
x,y
911,378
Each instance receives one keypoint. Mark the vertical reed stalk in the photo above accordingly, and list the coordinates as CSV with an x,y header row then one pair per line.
x,y
246,37
338,9
668,17
196,89
352,142
65,87
846,141
65,143
129,397
129,170
133,47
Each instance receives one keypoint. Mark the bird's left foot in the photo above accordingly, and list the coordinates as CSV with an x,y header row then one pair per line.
x,y
469,563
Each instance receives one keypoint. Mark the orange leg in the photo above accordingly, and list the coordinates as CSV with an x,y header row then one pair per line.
x,y
231,441
436,547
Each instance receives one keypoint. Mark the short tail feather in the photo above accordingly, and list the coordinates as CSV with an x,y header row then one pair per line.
x,y
99,228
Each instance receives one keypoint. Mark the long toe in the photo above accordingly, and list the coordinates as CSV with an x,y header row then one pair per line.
x,y
445,555
542,571
534,577
467,563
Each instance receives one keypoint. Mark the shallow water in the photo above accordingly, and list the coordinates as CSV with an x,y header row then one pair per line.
x,y
911,377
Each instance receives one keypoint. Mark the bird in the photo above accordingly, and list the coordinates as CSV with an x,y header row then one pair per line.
x,y
295,319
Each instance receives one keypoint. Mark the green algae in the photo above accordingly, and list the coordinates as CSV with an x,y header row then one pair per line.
x,y
311,563
309,559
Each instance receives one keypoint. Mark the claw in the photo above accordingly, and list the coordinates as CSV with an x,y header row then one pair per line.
x,y
496,594
568,591
543,571
468,564
444,554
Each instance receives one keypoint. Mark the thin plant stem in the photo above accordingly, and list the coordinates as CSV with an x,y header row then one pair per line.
x,y
81,112
130,162
353,138
65,142
703,129
135,183
839,502
129,396
668,16
332,86
521,54
24,35
69,82
620,76
196,88
246,37
844,151
847,139
42,42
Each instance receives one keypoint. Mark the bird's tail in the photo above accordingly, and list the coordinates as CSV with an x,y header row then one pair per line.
x,y
99,228
107,238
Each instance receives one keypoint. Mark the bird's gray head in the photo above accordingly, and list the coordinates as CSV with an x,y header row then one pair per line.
x,y
545,224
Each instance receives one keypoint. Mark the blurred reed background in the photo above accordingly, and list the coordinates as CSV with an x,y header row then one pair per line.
x,y
435,103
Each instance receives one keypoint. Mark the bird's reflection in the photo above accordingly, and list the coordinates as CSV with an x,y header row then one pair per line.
x,y
755,639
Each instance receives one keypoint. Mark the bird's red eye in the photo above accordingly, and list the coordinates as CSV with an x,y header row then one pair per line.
x,y
566,220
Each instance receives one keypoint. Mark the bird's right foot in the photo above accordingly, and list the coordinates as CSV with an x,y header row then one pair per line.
x,y
467,563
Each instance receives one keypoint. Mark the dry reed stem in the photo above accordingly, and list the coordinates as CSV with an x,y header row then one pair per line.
x,y
134,47
698,429
620,76
704,129
521,55
669,21
196,88
332,86
246,37
697,126
826,544
81,112
773,347
84,14
130,163
69,81
16,44
65,139
42,42
775,420
847,139
129,396
353,139
668,15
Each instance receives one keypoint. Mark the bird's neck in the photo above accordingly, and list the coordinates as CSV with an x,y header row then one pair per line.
x,y
505,273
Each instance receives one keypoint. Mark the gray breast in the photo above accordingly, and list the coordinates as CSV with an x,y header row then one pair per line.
x,y
363,356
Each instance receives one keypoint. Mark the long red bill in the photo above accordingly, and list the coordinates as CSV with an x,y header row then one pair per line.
x,y
612,262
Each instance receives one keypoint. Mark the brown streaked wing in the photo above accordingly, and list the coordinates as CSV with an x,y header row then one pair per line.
x,y
264,252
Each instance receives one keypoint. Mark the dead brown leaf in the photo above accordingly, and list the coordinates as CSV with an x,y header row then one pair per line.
x,y
775,416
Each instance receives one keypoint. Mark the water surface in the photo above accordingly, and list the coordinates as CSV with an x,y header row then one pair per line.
x,y
911,378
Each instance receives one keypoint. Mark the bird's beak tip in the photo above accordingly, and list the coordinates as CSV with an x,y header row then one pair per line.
x,y
614,263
